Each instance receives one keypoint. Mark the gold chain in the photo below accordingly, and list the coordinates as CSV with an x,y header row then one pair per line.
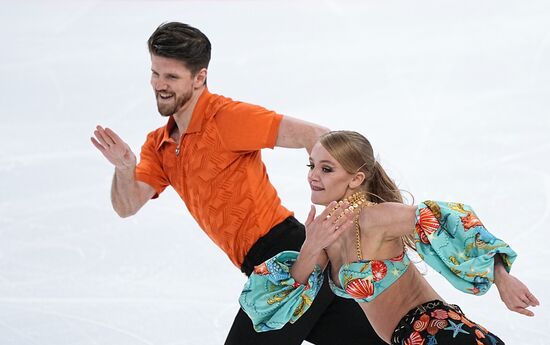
x,y
358,230
356,201
358,238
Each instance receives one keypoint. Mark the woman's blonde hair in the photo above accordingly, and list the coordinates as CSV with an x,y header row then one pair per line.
x,y
354,152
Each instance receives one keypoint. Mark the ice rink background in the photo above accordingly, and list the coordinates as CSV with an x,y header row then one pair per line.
x,y
454,95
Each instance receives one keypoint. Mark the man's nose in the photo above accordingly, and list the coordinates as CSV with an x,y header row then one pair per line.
x,y
159,84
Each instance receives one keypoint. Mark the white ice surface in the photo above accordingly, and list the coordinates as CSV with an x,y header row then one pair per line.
x,y
454,95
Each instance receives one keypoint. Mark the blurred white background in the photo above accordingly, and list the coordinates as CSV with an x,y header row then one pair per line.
x,y
454,95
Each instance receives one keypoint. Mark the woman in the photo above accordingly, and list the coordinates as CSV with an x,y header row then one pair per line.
x,y
369,263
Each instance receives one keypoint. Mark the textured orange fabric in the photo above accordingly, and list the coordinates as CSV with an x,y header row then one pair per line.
x,y
219,173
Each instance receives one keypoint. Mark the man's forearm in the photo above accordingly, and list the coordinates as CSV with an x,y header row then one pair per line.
x,y
295,133
125,192
313,137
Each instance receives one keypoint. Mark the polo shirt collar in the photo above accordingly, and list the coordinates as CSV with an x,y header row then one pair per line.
x,y
195,125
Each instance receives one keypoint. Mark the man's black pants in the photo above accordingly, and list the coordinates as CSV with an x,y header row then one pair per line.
x,y
330,320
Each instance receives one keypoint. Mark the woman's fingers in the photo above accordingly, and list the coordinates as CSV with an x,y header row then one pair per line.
x,y
337,231
343,226
310,216
523,311
336,210
344,218
533,301
523,302
326,214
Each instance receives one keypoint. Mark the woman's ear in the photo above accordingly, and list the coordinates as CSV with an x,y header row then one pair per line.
x,y
357,180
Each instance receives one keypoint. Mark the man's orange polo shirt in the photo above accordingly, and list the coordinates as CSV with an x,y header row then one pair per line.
x,y
218,172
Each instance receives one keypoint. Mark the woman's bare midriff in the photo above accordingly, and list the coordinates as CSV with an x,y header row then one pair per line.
x,y
388,308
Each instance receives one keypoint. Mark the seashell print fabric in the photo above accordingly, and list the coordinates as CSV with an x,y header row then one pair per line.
x,y
272,298
452,240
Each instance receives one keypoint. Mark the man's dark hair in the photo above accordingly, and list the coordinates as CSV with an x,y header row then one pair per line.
x,y
181,42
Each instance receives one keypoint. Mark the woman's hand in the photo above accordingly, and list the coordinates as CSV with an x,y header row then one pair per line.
x,y
516,295
321,232
325,229
512,291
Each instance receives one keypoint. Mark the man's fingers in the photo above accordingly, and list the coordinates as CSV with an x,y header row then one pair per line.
x,y
97,144
116,139
103,137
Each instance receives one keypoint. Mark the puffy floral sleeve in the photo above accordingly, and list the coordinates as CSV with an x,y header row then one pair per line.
x,y
451,239
272,298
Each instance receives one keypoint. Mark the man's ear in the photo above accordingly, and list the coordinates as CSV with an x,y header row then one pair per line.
x,y
200,78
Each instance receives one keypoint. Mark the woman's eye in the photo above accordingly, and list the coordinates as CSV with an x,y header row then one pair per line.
x,y
327,169
310,166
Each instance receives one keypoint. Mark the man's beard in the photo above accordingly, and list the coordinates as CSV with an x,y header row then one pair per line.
x,y
175,104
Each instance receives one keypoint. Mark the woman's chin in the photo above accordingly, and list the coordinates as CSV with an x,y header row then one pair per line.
x,y
319,201
314,200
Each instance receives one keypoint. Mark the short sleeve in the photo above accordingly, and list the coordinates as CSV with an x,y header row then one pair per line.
x,y
149,169
247,127
453,240
272,298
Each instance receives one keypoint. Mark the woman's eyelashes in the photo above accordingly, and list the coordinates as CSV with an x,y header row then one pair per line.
x,y
325,169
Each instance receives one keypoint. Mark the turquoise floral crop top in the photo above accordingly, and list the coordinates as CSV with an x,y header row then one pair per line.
x,y
365,279
448,236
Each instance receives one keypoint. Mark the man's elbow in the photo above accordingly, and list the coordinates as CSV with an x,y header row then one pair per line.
x,y
322,131
313,139
124,212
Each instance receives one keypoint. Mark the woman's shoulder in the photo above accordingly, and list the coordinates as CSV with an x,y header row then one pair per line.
x,y
388,212
390,216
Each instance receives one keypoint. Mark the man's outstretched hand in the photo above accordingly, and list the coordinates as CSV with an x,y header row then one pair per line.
x,y
113,148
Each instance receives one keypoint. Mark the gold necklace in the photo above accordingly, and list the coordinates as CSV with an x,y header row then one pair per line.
x,y
363,203
358,238
357,200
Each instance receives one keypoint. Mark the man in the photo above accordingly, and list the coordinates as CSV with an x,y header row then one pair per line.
x,y
209,152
